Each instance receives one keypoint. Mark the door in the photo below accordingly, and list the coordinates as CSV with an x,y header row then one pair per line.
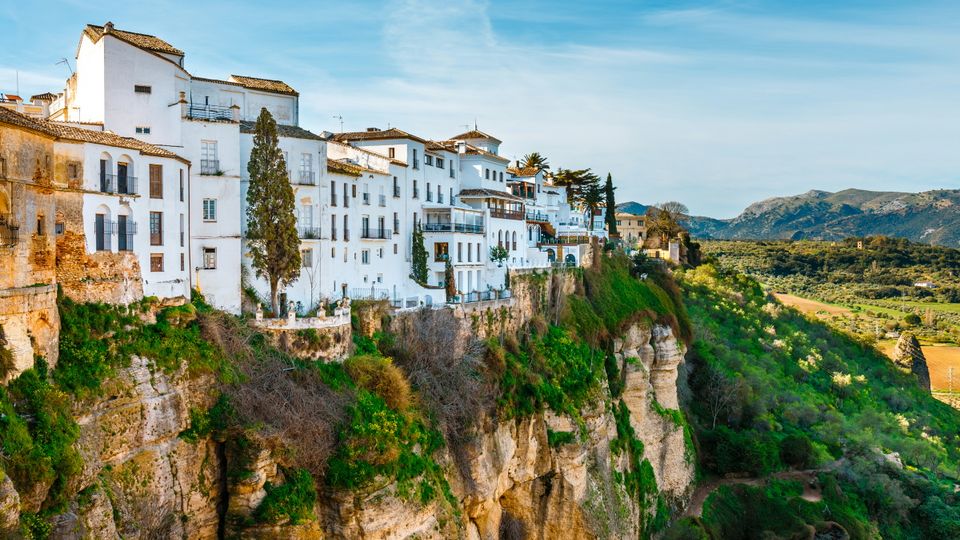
x,y
122,178
99,232
103,175
122,233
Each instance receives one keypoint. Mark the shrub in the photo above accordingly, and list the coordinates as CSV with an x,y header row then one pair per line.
x,y
378,375
797,451
559,438
292,500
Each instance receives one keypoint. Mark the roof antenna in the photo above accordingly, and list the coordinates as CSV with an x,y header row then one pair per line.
x,y
340,118
65,62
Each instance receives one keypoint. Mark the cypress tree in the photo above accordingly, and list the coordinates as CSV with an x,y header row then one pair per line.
x,y
272,240
611,205
450,282
419,256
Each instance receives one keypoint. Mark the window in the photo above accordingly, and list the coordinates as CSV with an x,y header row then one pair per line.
x,y
333,193
396,187
416,161
440,251
486,174
429,193
209,209
183,262
333,226
428,159
333,253
100,233
451,170
142,89
469,253
143,130
156,181
391,152
346,196
209,258
40,225
346,227
209,163
459,251
396,223
451,196
182,235
380,252
416,192
354,191
73,170
156,228
439,162
59,228
501,176
156,262
306,168
365,256
181,185
394,249
3,167
306,258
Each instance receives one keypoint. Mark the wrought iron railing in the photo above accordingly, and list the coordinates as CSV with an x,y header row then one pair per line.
x,y
453,227
369,293
307,178
366,199
309,233
209,112
382,200
533,215
376,234
396,191
210,167
9,231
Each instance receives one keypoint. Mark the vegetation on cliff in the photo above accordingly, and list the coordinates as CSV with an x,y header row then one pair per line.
x,y
777,391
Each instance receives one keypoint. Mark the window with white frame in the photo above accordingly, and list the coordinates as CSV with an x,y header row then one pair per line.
x,y
209,209
209,258
143,130
209,163
306,258
365,256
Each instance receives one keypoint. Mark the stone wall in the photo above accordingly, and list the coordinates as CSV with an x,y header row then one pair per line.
x,y
31,326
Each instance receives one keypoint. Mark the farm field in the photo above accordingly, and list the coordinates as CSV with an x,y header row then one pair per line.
x,y
810,307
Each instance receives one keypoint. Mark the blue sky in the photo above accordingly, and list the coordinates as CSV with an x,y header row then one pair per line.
x,y
716,104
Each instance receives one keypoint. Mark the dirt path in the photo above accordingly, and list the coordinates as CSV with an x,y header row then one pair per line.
x,y
811,488
811,307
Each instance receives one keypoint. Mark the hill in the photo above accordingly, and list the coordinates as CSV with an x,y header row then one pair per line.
x,y
932,217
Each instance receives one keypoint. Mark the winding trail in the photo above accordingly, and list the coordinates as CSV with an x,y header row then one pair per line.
x,y
808,477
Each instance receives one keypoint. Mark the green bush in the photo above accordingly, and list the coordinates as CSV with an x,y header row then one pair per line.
x,y
557,439
798,452
292,500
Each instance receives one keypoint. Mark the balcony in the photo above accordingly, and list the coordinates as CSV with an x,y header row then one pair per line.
x,y
366,199
440,198
9,231
429,196
469,228
533,215
396,191
416,163
307,178
124,185
125,233
308,233
506,214
376,234
382,199
209,112
210,167
564,240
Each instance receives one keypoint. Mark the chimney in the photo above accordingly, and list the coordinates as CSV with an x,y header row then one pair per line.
x,y
235,112
461,147
372,129
107,28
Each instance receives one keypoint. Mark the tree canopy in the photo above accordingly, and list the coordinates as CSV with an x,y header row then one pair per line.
x,y
535,160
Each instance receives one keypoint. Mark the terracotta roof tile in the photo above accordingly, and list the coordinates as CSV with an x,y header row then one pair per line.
x,y
267,85
484,192
476,134
378,134
144,41
294,132
341,167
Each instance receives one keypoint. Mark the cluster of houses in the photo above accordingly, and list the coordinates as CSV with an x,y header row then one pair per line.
x,y
145,165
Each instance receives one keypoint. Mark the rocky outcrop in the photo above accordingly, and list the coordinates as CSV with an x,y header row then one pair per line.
x,y
908,355
138,474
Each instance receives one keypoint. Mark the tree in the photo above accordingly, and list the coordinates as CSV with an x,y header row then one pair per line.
x,y
611,206
663,221
590,195
498,254
271,223
450,284
419,256
535,160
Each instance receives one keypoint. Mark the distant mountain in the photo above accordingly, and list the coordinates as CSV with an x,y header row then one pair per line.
x,y
931,216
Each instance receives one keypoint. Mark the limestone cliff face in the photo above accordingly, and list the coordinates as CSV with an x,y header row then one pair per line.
x,y
509,480
138,474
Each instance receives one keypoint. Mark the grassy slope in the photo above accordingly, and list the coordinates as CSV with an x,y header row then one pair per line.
x,y
804,396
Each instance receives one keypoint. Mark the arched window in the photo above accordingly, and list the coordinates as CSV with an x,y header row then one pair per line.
x,y
500,238
514,240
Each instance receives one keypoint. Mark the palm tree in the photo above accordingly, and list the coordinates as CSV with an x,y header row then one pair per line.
x,y
534,160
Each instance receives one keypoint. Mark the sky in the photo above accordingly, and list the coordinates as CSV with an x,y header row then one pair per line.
x,y
715,104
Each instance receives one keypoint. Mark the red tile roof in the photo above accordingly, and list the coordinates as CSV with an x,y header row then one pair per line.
x,y
266,85
377,134
476,134
143,41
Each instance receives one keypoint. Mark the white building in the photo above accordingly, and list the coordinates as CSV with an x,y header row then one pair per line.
x,y
359,195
